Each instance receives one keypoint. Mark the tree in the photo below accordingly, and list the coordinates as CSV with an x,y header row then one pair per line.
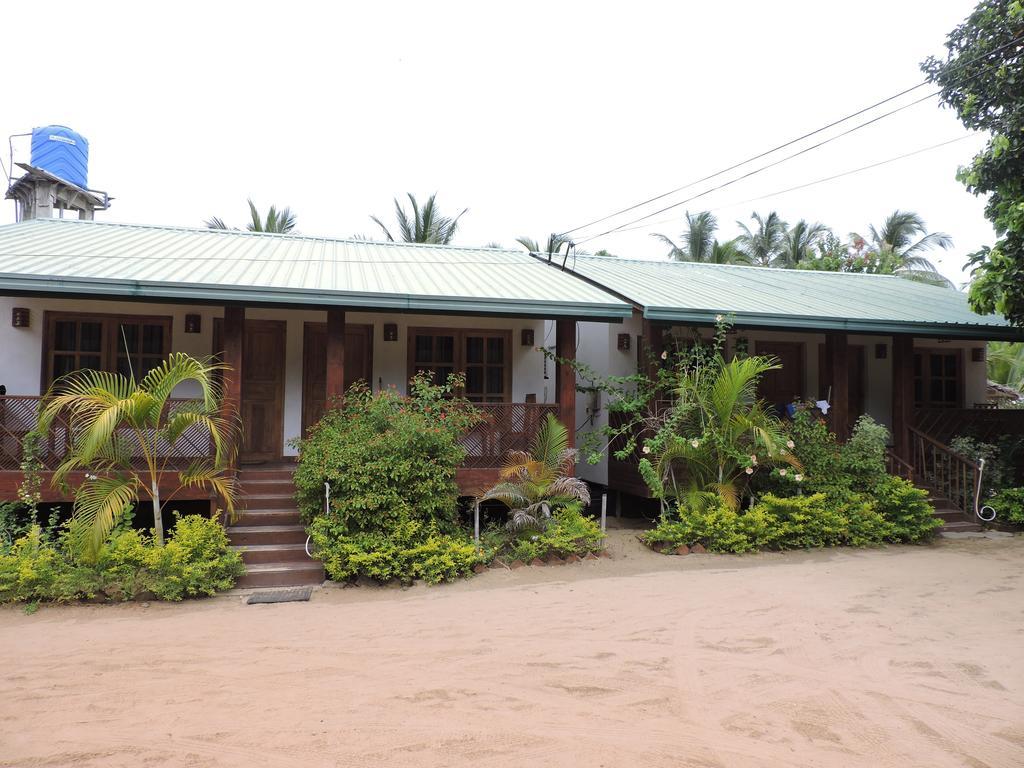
x,y
553,246
122,434
982,78
763,244
536,482
799,244
699,243
424,224
1006,363
896,248
275,221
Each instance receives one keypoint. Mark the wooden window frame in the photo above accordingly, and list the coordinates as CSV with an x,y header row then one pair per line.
x,y
961,378
459,362
108,352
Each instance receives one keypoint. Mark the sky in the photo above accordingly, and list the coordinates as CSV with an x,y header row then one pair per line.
x,y
537,117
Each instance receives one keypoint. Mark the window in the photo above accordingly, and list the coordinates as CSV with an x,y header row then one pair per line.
x,y
937,379
482,356
123,344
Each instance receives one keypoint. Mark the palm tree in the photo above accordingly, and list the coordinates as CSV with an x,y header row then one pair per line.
x,y
534,483
554,244
699,243
425,225
799,244
123,433
897,246
275,221
765,242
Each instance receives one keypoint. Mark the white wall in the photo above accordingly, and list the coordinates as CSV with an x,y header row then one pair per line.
x,y
21,348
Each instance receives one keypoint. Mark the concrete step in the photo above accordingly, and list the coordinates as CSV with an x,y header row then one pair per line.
x,y
268,517
250,535
281,575
260,554
960,526
250,500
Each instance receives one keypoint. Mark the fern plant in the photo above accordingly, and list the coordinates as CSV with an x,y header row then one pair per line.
x,y
535,482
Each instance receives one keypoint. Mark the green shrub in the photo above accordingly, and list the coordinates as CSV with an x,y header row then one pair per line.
x,y
716,528
906,508
388,458
865,526
195,561
805,522
568,532
862,457
1009,505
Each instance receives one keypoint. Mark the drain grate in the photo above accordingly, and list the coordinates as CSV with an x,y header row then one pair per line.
x,y
296,595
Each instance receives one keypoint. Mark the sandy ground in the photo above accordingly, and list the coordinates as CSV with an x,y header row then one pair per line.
x,y
891,657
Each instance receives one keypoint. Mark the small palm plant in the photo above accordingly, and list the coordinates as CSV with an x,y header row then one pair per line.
x,y
425,225
716,433
534,483
122,434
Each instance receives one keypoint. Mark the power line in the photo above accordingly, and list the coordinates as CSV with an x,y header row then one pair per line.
x,y
813,183
760,169
834,123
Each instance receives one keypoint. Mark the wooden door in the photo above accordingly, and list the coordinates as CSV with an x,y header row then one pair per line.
x,y
262,406
857,385
358,365
786,384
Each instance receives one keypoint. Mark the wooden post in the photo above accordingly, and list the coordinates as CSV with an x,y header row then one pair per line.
x,y
335,355
837,353
233,341
651,349
902,393
565,375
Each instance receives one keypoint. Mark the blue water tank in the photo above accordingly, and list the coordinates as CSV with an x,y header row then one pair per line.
x,y
62,152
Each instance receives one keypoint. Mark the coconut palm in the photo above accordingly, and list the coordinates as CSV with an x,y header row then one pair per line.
x,y
799,244
275,221
764,243
123,433
719,432
534,483
699,243
424,225
554,244
897,248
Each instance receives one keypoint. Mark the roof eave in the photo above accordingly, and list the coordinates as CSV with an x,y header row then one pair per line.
x,y
802,323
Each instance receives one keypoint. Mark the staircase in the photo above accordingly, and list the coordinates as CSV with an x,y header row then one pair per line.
x,y
269,532
953,519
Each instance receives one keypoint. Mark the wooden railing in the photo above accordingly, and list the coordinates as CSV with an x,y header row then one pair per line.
x,y
18,414
984,424
949,474
894,465
506,427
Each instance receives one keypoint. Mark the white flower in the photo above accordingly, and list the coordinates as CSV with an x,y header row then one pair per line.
x,y
664,355
782,451
750,470
798,478
782,473
695,442
790,444
753,459
718,318
647,449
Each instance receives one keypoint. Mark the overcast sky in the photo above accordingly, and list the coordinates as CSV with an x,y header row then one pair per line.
x,y
537,117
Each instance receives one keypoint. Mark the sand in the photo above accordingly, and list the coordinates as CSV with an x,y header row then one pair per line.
x,y
903,656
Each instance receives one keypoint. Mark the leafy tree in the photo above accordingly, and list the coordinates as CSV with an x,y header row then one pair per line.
x,y
275,221
535,483
1006,363
424,225
830,254
606,254
764,243
799,244
699,243
122,433
897,248
982,78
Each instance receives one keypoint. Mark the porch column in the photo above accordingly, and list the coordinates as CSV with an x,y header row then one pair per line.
x,y
653,346
838,362
233,343
565,376
335,354
902,393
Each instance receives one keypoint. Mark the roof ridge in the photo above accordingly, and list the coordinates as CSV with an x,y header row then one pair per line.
x,y
244,232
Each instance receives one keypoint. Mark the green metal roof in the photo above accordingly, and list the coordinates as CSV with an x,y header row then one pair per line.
x,y
685,292
85,258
